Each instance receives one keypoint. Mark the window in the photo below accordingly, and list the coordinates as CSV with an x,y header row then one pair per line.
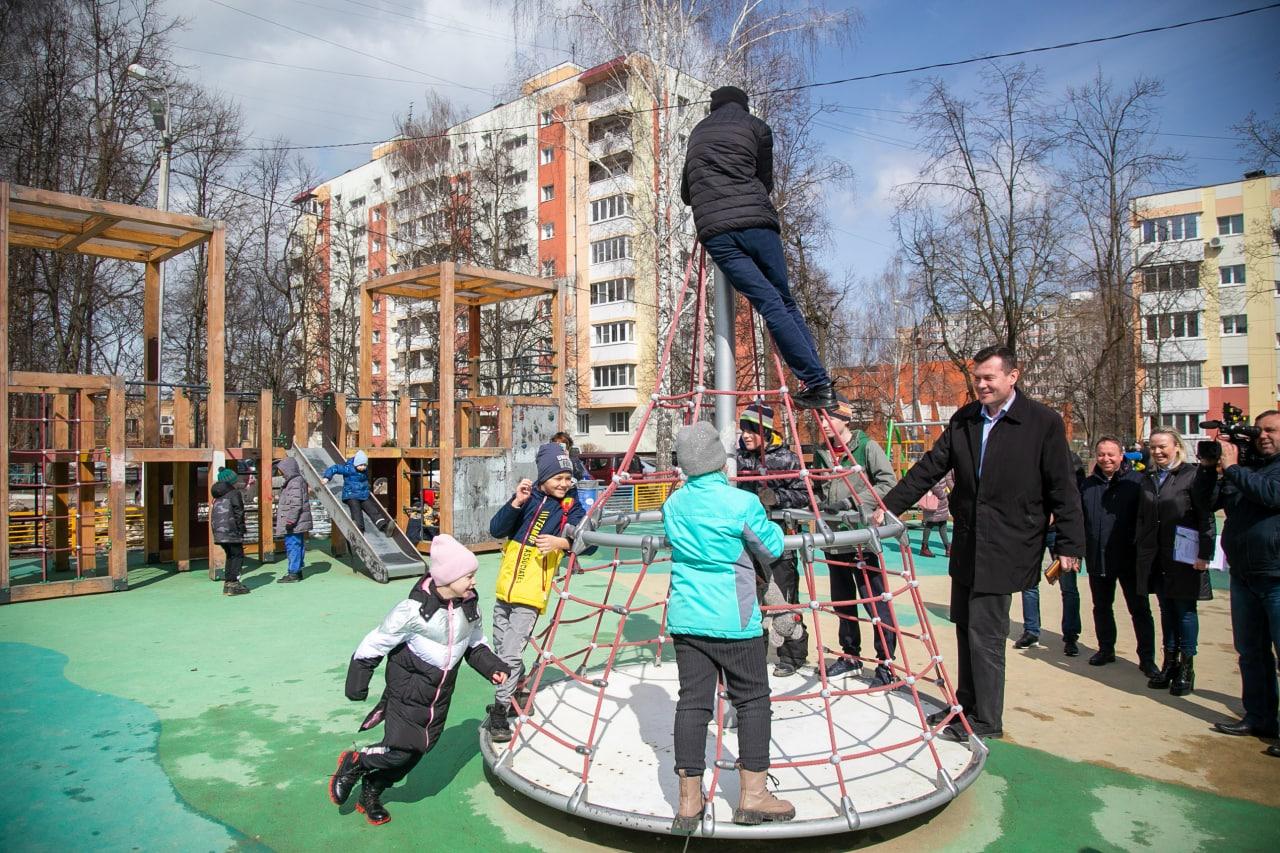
x,y
377,368
514,179
614,376
613,290
1165,228
513,142
548,230
549,268
615,333
377,305
610,208
1168,277
357,202
548,154
1177,374
1235,374
609,167
619,422
519,250
377,336
377,214
1235,324
1231,224
1186,423
548,116
584,423
613,249
1232,275
548,192
377,183
1180,324
377,245
682,103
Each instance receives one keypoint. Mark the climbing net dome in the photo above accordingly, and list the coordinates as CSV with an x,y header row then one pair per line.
x,y
595,738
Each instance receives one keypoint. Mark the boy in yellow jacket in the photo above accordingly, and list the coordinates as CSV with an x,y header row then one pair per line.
x,y
538,523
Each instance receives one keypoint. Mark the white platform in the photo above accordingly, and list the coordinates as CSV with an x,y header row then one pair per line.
x,y
632,781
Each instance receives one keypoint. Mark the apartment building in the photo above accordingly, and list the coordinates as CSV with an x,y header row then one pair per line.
x,y
565,181
1208,279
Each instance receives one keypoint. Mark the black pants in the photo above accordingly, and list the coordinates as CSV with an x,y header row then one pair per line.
x,y
795,651
982,629
849,582
235,561
387,765
1103,590
700,660
360,508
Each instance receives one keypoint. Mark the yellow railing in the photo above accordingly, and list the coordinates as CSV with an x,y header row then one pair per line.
x,y
23,525
650,495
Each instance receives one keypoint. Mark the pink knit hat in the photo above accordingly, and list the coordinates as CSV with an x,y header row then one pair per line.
x,y
450,560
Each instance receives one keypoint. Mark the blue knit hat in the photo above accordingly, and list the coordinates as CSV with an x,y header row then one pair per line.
x,y
552,459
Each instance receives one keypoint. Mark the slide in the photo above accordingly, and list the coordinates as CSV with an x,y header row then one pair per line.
x,y
385,554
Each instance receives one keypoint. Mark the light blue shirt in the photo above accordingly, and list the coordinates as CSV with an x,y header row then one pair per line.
x,y
988,423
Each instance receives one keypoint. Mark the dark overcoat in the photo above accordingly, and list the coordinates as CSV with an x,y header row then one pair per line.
x,y
1161,510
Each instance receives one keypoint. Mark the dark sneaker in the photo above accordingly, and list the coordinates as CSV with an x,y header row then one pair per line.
x,y
1027,640
1070,649
235,588
843,667
1103,657
817,397
955,732
291,577
925,552
785,670
496,724
883,676
382,523
344,779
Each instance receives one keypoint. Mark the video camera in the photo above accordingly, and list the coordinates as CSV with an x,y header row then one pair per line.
x,y
1236,427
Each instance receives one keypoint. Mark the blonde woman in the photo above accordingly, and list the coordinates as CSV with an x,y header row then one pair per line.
x,y
1170,500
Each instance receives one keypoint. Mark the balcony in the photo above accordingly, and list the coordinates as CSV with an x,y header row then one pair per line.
x,y
610,143
616,397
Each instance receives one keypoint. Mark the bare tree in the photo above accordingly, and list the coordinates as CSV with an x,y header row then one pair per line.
x,y
1262,140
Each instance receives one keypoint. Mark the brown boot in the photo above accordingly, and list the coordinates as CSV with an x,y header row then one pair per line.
x,y
689,812
757,805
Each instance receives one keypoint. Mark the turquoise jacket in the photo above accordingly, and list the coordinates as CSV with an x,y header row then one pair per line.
x,y
714,529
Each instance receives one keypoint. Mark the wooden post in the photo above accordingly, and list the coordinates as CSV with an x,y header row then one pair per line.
x,y
182,482
301,420
87,523
365,386
266,540
4,389
337,543
403,432
473,349
557,355
444,385
60,436
215,279
232,432
402,493
118,553
151,490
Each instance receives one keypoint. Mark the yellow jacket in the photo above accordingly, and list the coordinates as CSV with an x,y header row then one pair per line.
x,y
525,575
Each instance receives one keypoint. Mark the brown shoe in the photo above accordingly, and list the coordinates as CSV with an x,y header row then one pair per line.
x,y
756,804
689,812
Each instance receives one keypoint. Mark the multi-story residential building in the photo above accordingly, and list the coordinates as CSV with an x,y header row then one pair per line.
x,y
566,181
1208,279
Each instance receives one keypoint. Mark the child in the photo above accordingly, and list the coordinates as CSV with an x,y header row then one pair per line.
x,y
424,638
537,523
714,621
226,517
355,489
293,517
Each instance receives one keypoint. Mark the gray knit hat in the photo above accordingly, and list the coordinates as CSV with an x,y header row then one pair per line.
x,y
699,449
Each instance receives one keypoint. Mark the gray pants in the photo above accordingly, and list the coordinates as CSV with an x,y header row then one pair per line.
x,y
982,629
512,628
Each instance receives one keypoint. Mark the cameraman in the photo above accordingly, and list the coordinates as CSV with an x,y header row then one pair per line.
x,y
1250,494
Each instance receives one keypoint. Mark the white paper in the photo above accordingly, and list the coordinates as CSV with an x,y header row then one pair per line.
x,y
1186,548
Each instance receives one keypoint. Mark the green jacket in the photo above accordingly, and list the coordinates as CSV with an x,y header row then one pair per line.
x,y
875,464
714,530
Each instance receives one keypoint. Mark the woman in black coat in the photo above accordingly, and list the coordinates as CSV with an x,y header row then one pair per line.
x,y
1170,499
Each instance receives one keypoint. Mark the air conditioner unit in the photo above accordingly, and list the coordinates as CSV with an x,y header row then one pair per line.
x,y
1215,242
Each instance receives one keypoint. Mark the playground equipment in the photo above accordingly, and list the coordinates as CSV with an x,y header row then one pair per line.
x,y
907,441
594,737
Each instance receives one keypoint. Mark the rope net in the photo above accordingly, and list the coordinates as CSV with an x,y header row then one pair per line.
x,y
607,612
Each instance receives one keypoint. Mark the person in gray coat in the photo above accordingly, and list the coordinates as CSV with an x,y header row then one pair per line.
x,y
856,573
293,517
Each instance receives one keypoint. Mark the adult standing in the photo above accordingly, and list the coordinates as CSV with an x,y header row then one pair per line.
x,y
1013,471
1250,494
727,178
1069,584
1171,507
1109,497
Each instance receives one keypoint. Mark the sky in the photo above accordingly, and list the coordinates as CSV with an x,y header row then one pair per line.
x,y
278,59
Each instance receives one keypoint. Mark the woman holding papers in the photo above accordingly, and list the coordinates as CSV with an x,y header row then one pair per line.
x,y
1175,542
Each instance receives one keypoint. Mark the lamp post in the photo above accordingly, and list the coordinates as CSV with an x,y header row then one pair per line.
x,y
159,107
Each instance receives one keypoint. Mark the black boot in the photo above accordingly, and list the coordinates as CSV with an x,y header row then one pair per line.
x,y
370,804
496,724
1184,678
1167,669
344,779
817,397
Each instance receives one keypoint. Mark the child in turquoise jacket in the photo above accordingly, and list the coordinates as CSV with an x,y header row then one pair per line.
x,y
714,621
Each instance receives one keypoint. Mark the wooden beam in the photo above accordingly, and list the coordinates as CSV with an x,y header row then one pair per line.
x,y
92,227
216,350
4,385
182,515
301,420
266,541
187,241
86,525
80,204
403,428
60,435
151,355
473,348
183,428
118,555
152,455
47,382
60,589
445,388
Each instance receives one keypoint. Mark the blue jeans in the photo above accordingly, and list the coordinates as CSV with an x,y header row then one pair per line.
x,y
1069,582
294,546
1255,624
1179,624
752,261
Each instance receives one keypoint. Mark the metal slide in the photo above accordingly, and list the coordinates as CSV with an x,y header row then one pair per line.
x,y
385,555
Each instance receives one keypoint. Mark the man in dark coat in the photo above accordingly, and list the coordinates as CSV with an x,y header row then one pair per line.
x,y
728,175
1013,471
1250,494
1109,498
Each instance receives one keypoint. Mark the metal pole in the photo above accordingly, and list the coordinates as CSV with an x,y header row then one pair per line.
x,y
726,373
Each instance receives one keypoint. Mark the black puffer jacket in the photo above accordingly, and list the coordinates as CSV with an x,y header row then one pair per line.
x,y
728,173
789,490
1251,535
227,516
